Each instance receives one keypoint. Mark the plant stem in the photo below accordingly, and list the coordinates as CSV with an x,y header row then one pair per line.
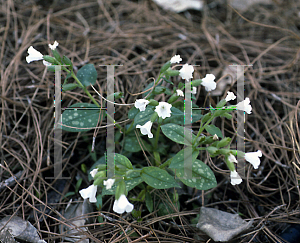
x,y
156,137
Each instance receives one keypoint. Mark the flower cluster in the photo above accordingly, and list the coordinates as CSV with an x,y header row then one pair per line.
x,y
251,157
120,205
151,111
35,55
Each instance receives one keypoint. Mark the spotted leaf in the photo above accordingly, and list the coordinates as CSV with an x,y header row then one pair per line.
x,y
87,75
178,133
200,176
81,117
158,178
184,157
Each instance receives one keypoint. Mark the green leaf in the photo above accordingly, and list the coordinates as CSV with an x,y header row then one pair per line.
x,y
178,159
56,55
132,144
122,162
70,86
81,117
212,130
167,80
87,75
158,178
130,184
133,112
177,133
202,176
69,194
78,184
166,207
142,117
149,202
67,61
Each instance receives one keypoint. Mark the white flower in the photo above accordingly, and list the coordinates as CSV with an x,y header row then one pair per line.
x,y
53,47
244,106
141,104
90,193
163,109
194,91
186,72
230,96
231,158
253,158
35,55
235,178
208,82
146,129
179,92
121,205
215,137
176,59
108,183
93,172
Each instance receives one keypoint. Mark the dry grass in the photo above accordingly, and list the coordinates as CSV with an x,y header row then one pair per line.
x,y
141,37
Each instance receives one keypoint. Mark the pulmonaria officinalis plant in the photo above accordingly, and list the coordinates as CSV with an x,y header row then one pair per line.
x,y
157,123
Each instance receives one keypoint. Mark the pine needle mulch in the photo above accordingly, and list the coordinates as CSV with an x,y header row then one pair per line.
x,y
141,36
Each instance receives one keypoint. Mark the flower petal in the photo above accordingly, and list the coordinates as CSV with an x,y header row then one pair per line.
x,y
53,47
230,96
34,55
90,193
244,106
208,82
93,172
146,129
122,204
163,109
186,72
179,93
235,178
175,59
253,158
141,104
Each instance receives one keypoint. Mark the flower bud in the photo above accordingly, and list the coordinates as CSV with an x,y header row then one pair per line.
x,y
212,150
170,72
196,82
238,153
153,102
56,55
225,152
154,117
208,140
173,98
121,189
49,59
67,61
230,165
71,86
223,142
